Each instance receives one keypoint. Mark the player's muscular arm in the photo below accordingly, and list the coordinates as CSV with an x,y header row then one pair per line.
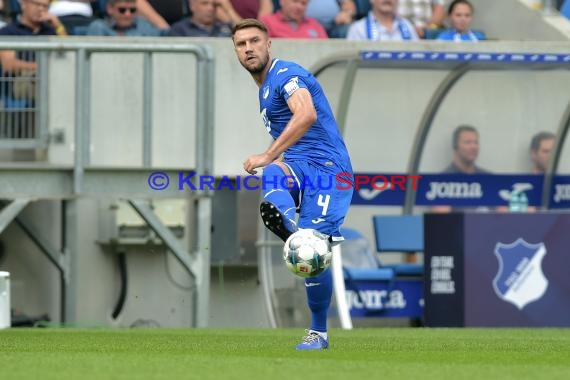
x,y
304,116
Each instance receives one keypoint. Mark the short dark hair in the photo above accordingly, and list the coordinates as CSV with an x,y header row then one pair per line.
x,y
458,131
538,138
249,23
455,3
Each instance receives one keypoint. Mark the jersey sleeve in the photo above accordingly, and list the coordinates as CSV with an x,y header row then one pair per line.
x,y
292,83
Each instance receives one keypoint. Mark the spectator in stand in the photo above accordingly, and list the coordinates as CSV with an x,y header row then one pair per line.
x,y
202,22
163,13
18,89
75,15
334,15
291,21
244,9
382,24
122,21
35,20
460,13
424,14
541,147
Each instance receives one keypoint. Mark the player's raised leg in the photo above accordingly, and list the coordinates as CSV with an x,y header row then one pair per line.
x,y
278,206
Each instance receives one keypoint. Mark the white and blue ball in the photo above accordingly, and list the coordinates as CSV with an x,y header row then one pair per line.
x,y
307,253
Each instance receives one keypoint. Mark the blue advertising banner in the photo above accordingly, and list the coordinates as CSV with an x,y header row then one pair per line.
x,y
516,270
497,270
428,56
460,190
387,299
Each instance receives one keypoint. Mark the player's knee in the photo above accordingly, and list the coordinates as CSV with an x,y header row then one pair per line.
x,y
274,177
273,170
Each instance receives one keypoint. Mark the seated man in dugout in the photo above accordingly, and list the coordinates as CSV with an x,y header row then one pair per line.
x,y
541,147
465,144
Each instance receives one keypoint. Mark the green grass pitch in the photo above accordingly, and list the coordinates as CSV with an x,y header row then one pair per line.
x,y
365,353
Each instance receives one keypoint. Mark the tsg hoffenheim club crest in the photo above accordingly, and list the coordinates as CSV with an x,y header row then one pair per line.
x,y
520,279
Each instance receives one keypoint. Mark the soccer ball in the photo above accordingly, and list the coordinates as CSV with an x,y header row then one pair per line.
x,y
307,253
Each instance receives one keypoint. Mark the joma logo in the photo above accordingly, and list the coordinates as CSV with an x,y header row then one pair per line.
x,y
454,190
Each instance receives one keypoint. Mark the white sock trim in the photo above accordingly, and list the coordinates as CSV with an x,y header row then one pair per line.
x,y
323,335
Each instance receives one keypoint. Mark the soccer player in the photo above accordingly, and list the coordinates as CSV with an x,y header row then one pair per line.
x,y
301,164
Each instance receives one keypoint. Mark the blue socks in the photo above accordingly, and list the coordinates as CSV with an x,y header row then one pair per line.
x,y
276,190
319,293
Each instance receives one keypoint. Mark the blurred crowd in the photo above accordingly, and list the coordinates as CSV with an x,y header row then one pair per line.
x,y
352,19
448,20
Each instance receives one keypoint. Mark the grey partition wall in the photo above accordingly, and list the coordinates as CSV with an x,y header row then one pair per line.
x,y
24,183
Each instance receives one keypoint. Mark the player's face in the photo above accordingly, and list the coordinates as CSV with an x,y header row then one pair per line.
x,y
460,17
542,154
468,146
252,48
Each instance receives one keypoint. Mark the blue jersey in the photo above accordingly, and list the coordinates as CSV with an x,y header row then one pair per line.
x,y
322,144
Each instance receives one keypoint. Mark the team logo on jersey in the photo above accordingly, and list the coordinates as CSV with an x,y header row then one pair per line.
x,y
520,279
265,92
292,86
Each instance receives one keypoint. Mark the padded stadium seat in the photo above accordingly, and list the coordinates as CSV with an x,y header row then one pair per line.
x,y
359,263
400,233
15,8
371,286
432,34
362,8
377,274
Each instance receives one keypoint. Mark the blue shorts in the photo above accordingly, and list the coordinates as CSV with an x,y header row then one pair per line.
x,y
322,201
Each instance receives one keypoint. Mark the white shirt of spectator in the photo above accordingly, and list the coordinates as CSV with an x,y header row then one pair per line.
x,y
402,30
71,7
